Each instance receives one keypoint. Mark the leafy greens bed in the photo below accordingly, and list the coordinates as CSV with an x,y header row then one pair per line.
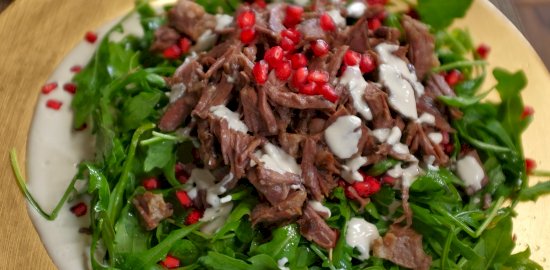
x,y
122,94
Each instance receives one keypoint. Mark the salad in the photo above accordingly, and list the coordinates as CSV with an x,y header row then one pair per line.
x,y
305,135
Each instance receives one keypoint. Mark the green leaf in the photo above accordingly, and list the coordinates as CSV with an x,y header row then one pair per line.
x,y
234,219
158,155
381,167
130,237
217,261
509,84
534,192
284,243
521,261
139,108
440,14
494,246
186,251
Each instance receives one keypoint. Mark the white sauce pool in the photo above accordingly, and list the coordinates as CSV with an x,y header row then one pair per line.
x,y
401,82
360,234
276,159
233,119
343,135
320,208
470,171
356,85
350,171
436,137
356,9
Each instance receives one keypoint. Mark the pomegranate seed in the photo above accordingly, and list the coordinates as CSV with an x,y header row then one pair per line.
x,y
193,217
327,91
170,262
81,128
260,3
319,47
298,60
283,71
368,187
292,34
185,45
388,180
70,87
259,71
76,69
309,89
483,51
274,56
448,148
79,209
446,138
367,63
300,77
47,88
342,183
318,76
246,19
326,23
374,24
352,58
530,165
172,52
150,183
54,104
453,77
377,2
248,35
183,198
527,111
293,15
287,44
181,174
90,36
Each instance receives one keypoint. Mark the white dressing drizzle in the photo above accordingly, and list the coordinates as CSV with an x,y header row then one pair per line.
x,y
319,207
343,135
276,159
407,175
470,171
436,137
360,234
232,118
223,21
356,85
381,134
394,137
401,82
350,171
426,118
356,9
282,262
337,18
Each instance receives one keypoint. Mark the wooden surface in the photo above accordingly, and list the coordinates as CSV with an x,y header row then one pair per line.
x,y
35,35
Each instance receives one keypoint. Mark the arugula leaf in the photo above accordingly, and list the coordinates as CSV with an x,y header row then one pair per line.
x,y
217,261
130,237
440,14
534,192
139,108
186,251
283,244
158,155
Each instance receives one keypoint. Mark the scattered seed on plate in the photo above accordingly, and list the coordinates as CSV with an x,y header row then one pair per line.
x,y
70,87
47,88
90,36
54,104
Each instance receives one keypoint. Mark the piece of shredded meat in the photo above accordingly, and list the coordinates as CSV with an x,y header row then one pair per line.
x,y
152,209
402,246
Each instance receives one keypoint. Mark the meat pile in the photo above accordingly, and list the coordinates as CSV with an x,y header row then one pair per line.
x,y
261,99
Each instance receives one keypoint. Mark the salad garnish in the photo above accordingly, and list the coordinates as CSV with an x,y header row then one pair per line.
x,y
306,135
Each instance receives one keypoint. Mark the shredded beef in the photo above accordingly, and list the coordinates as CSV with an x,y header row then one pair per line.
x,y
213,95
309,171
276,17
314,228
152,209
279,94
274,186
402,246
288,209
165,37
377,100
311,30
422,46
190,19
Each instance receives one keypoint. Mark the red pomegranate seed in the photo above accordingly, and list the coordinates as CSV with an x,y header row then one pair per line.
x,y
248,35
183,198
326,22
246,19
327,91
317,76
150,183
193,217
300,77
483,51
76,69
377,2
260,3
368,187
527,111
274,56
530,165
170,262
448,148
260,71
172,52
388,180
352,58
47,88
367,63
374,24
54,104
453,77
181,174
293,15
185,45
79,209
292,34
70,87
283,71
298,60
90,36
309,89
287,44
319,47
